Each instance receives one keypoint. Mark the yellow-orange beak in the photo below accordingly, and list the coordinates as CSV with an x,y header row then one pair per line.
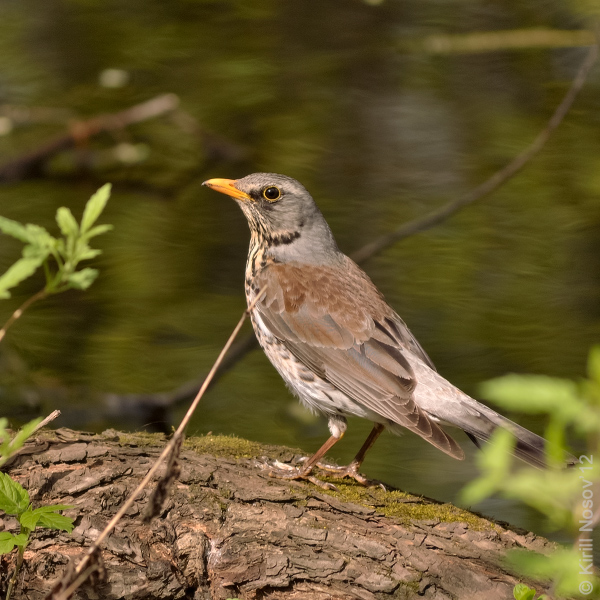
x,y
227,186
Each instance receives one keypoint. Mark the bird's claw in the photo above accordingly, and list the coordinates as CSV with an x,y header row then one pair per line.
x,y
351,471
325,485
280,470
281,466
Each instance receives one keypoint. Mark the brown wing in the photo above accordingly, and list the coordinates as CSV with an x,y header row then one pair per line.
x,y
343,330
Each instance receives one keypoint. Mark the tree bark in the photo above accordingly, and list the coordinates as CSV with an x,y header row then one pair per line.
x,y
228,530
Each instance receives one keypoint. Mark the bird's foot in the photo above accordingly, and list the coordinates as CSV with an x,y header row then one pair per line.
x,y
280,470
351,471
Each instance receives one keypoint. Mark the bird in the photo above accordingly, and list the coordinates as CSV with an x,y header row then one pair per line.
x,y
336,342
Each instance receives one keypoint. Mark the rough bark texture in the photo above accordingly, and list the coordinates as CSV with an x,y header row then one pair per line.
x,y
227,530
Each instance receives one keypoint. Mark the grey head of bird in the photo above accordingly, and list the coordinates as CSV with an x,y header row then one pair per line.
x,y
282,216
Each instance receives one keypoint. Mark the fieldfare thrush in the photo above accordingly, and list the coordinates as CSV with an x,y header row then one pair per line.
x,y
334,339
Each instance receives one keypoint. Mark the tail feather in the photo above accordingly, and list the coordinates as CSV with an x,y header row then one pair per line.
x,y
530,447
447,404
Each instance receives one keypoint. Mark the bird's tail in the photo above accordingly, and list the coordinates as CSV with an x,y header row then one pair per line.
x,y
530,447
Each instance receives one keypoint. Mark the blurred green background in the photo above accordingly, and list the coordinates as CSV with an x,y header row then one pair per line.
x,y
385,110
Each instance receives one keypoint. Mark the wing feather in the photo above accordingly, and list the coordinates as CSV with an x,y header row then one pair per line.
x,y
343,330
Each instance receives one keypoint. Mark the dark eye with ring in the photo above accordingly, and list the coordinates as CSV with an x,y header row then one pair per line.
x,y
272,193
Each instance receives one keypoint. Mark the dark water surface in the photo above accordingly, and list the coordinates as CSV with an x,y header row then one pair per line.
x,y
342,96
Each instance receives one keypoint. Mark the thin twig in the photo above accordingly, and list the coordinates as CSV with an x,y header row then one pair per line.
x,y
53,415
494,182
41,294
79,580
83,565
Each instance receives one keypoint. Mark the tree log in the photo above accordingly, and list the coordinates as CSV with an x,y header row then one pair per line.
x,y
228,530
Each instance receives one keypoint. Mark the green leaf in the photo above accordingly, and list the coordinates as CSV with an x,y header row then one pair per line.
x,y
60,246
4,441
560,487
14,498
53,508
497,455
14,229
29,519
495,461
546,395
23,434
8,446
21,539
53,520
22,269
98,230
556,446
594,364
81,280
530,393
66,221
478,489
36,252
562,567
88,253
523,592
94,207
3,427
47,516
38,236
8,541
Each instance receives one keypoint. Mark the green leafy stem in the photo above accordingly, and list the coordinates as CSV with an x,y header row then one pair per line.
x,y
15,501
67,252
59,258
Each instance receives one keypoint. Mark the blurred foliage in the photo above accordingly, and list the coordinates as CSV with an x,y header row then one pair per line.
x,y
333,95
567,497
523,592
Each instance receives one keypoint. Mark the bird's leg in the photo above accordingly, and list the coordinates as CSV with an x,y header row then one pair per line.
x,y
304,472
351,470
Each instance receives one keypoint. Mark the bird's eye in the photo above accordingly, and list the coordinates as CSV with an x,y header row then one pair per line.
x,y
272,193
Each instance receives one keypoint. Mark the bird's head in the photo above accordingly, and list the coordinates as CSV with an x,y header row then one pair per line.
x,y
282,214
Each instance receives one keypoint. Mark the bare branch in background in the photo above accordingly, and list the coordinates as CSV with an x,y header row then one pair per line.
x,y
153,409
498,179
30,165
494,41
